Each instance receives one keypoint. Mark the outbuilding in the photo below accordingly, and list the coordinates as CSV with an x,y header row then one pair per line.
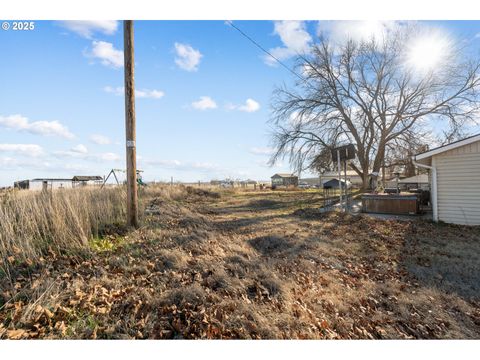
x,y
43,184
455,180
85,180
334,184
352,176
58,183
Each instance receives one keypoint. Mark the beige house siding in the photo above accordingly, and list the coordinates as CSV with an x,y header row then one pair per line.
x,y
458,181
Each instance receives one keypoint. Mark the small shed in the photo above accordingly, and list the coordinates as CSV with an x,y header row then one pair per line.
x,y
454,180
352,176
334,184
84,180
284,180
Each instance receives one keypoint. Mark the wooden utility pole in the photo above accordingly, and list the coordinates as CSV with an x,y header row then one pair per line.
x,y
129,64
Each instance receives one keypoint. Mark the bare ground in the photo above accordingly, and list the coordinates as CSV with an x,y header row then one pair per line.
x,y
253,265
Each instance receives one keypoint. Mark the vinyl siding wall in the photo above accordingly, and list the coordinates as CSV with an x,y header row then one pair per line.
x,y
458,181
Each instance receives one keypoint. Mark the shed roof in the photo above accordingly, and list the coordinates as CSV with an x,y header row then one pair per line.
x,y
87,178
335,183
284,175
49,179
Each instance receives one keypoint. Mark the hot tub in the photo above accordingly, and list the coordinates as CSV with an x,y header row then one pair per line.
x,y
400,204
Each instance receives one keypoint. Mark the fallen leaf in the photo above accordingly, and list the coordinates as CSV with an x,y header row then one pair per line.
x,y
15,334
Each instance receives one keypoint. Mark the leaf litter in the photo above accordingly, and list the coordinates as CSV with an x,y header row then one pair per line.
x,y
216,267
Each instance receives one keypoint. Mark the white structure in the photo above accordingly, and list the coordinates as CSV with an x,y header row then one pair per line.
x,y
56,183
352,176
44,184
455,180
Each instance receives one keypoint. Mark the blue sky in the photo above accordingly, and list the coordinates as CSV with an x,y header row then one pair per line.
x,y
203,96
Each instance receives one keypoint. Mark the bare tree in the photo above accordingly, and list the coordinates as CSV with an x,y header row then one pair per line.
x,y
322,161
365,93
399,152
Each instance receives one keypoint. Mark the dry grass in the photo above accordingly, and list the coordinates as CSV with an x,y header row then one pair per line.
x,y
232,264
35,224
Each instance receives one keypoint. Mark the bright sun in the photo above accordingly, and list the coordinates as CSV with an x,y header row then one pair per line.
x,y
427,51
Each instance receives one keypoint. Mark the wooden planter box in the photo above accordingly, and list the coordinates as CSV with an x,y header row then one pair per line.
x,y
390,204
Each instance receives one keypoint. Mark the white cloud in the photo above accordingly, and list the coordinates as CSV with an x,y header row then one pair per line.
x,y
364,30
183,166
164,163
142,93
68,154
249,106
296,118
106,53
80,148
100,139
204,103
76,167
22,149
119,90
9,163
203,166
108,156
49,128
295,39
262,150
187,58
89,27
75,153
152,94
266,164
46,128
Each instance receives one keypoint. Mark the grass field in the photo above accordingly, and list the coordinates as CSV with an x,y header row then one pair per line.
x,y
243,264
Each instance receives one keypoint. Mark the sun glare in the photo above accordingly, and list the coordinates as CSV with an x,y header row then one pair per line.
x,y
428,51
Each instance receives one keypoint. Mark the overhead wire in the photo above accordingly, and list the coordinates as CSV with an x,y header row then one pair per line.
x,y
248,37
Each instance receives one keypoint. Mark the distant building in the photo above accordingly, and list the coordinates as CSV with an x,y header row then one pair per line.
x,y
284,180
58,183
43,184
352,176
87,180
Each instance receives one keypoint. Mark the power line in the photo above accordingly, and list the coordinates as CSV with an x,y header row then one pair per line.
x,y
265,50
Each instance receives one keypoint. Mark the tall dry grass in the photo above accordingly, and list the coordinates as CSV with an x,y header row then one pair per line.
x,y
35,223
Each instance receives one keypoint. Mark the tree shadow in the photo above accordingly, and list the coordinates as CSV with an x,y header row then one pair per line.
x,y
269,204
244,223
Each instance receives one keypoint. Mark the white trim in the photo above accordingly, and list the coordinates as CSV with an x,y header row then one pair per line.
x,y
434,190
448,147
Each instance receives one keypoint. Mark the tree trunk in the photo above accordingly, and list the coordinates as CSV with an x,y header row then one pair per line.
x,y
365,182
